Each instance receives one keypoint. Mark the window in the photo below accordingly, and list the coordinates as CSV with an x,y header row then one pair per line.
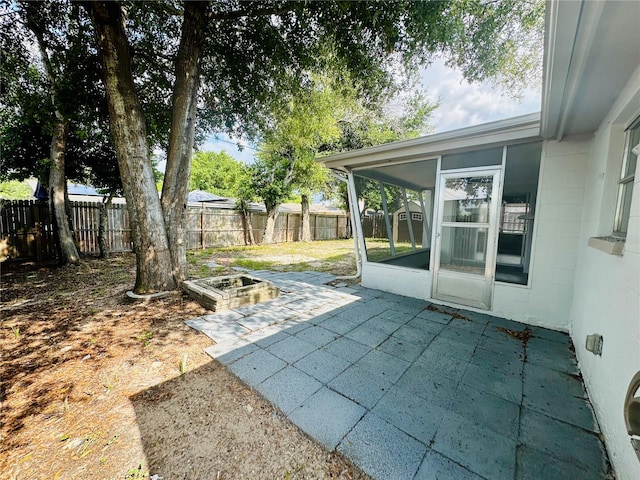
x,y
627,175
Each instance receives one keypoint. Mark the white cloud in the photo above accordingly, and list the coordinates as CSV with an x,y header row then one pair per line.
x,y
463,104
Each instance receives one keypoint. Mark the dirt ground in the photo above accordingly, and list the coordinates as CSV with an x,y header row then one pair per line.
x,y
94,385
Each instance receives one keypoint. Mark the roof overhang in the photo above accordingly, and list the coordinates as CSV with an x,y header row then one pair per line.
x,y
591,50
503,132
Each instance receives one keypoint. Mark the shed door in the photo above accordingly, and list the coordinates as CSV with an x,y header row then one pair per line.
x,y
466,233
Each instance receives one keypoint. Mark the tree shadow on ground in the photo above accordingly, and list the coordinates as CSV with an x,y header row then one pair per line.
x,y
207,424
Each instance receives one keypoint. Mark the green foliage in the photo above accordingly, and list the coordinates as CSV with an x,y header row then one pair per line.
x,y
218,173
15,190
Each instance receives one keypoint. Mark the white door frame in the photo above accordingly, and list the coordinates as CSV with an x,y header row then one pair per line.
x,y
474,290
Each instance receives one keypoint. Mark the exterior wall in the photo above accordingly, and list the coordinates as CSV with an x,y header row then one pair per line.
x,y
606,296
409,282
547,302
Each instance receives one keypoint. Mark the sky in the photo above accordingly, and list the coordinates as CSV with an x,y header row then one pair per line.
x,y
461,105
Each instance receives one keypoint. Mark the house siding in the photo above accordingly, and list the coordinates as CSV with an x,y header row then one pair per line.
x,y
606,297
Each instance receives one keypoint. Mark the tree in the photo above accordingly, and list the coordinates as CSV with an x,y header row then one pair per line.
x,y
219,173
252,56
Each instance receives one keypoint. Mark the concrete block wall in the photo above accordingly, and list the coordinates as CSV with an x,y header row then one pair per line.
x,y
606,298
558,217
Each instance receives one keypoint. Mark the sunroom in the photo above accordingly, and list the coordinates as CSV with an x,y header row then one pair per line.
x,y
457,211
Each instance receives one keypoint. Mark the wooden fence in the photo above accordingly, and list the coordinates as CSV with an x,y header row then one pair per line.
x,y
27,232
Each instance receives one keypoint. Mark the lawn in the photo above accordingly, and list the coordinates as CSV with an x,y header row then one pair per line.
x,y
95,385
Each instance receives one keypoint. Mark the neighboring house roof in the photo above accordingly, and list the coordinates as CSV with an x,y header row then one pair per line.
x,y
202,196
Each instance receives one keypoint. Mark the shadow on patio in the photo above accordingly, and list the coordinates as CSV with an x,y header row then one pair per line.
x,y
406,389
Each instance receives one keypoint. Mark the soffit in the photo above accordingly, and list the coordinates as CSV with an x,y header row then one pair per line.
x,y
591,51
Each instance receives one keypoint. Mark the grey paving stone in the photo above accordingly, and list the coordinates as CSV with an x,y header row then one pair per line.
x,y
555,336
510,365
453,348
231,350
271,339
562,441
348,349
317,336
256,367
497,383
293,326
367,336
381,450
395,316
382,324
557,395
289,388
360,386
340,323
425,324
383,365
410,413
410,306
406,351
550,354
266,317
487,411
441,364
437,467
223,317
417,336
460,335
478,449
497,322
432,387
502,344
469,323
219,332
443,318
291,349
533,464
322,365
327,417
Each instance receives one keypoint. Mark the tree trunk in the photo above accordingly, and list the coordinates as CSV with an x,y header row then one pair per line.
x,y
183,122
305,226
102,226
269,229
57,187
248,228
153,259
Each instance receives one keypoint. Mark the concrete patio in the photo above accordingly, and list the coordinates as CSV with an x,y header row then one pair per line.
x,y
410,391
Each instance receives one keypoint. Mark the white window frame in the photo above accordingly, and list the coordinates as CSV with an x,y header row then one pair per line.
x,y
627,177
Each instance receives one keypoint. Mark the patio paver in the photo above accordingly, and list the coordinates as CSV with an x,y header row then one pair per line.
x,y
412,393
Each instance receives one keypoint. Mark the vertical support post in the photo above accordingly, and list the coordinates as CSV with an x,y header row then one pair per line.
x,y
409,220
202,226
426,224
385,209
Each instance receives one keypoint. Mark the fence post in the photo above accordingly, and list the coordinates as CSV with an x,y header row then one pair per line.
x,y
202,226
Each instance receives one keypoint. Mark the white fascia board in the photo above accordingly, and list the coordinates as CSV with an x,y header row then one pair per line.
x,y
525,127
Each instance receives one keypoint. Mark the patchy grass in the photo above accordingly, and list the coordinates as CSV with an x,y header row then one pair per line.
x,y
331,256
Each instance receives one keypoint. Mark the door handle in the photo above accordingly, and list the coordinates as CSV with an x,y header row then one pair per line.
x,y
632,412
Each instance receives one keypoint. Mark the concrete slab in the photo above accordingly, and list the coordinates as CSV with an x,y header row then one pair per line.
x,y
347,349
327,416
410,413
557,395
291,349
476,448
322,365
382,450
360,386
256,367
403,390
436,466
289,388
